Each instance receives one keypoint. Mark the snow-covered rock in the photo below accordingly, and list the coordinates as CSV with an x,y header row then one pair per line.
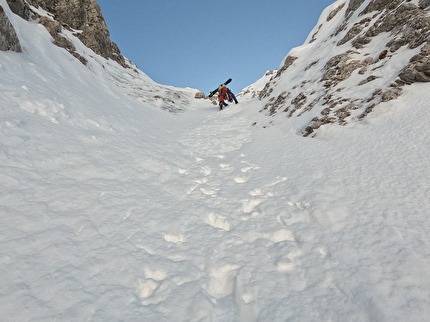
x,y
361,53
85,17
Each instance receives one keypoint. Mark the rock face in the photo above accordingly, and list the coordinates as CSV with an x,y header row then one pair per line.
x,y
82,15
8,37
200,95
20,7
359,50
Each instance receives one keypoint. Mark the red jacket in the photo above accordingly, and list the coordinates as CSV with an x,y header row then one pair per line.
x,y
222,93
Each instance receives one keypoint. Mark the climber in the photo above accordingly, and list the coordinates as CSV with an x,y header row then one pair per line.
x,y
224,93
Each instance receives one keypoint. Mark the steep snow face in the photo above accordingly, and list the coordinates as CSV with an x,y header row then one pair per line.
x,y
360,53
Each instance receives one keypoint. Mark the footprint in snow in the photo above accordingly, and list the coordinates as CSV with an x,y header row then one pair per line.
x,y
183,172
246,169
206,170
241,179
221,281
219,222
225,167
147,287
175,239
209,192
248,206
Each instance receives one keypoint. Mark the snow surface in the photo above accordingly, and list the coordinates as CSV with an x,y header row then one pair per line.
x,y
112,209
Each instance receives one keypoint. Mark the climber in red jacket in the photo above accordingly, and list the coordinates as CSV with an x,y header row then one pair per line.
x,y
224,93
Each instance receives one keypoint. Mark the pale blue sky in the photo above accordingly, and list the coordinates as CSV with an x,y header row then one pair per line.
x,y
200,43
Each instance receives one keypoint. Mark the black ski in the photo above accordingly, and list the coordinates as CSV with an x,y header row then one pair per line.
x,y
216,90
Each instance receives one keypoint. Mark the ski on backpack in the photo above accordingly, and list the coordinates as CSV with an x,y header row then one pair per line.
x,y
216,90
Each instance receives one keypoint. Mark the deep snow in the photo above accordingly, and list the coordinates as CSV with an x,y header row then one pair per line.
x,y
112,209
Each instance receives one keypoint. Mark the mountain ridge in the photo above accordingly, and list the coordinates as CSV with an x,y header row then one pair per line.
x,y
364,52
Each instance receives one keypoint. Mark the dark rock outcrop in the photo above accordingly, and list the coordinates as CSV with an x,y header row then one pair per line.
x,y
84,16
19,7
8,37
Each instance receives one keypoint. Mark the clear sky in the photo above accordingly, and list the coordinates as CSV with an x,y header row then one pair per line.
x,y
201,43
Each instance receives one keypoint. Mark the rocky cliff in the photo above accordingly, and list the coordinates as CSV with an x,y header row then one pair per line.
x,y
8,38
361,53
83,17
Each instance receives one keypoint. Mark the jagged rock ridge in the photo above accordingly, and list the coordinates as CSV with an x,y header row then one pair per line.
x,y
352,73
83,17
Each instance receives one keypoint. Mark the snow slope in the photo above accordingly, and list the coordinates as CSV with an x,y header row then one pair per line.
x,y
112,209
